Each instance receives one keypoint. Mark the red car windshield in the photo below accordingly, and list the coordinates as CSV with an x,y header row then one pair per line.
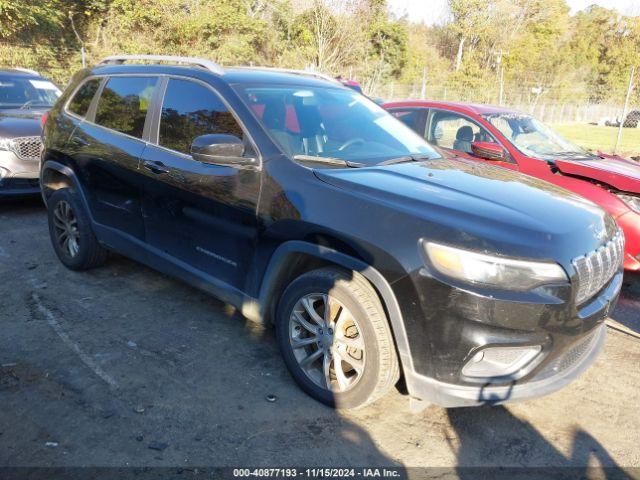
x,y
533,138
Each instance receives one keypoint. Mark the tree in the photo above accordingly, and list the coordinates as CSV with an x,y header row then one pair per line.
x,y
330,34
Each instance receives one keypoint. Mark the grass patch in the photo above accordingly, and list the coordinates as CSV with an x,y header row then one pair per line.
x,y
593,137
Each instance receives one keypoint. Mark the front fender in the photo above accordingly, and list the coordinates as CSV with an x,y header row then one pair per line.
x,y
278,263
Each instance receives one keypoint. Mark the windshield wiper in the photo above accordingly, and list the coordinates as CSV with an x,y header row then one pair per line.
x,y
573,154
328,160
404,159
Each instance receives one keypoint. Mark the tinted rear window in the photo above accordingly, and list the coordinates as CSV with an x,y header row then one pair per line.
x,y
124,103
80,102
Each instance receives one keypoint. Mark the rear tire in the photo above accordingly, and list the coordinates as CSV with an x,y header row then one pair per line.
x,y
71,234
343,356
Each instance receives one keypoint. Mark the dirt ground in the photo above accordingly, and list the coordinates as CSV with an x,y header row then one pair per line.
x,y
122,366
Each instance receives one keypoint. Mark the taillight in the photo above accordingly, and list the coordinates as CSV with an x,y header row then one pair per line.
x,y
43,119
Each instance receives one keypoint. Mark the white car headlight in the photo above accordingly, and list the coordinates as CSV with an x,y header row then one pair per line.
x,y
6,143
493,271
632,201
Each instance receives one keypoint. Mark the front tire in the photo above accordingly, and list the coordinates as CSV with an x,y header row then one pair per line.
x,y
335,339
71,234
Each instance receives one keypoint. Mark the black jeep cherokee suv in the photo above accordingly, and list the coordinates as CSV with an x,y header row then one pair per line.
x,y
303,203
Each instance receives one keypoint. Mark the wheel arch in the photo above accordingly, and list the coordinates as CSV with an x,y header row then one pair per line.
x,y
295,257
54,176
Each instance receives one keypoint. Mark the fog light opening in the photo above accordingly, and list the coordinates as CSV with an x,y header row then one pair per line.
x,y
499,361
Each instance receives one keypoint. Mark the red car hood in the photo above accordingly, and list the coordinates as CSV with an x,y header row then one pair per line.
x,y
615,171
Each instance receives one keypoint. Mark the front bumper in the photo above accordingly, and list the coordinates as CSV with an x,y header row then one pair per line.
x,y
18,176
556,376
10,187
571,340
630,224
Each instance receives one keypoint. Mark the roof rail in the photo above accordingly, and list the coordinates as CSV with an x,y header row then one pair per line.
x,y
200,62
26,70
307,73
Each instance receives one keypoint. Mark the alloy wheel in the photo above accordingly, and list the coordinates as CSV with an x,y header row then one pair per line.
x,y
66,228
327,342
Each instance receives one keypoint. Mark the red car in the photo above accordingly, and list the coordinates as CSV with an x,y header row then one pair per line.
x,y
517,141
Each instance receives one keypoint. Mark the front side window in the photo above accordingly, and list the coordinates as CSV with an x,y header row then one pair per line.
x,y
80,102
332,123
190,110
451,130
27,92
410,117
124,103
533,138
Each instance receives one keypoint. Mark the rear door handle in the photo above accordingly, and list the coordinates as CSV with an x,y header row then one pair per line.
x,y
155,167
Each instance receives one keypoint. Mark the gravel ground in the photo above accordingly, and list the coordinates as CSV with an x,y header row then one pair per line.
x,y
122,366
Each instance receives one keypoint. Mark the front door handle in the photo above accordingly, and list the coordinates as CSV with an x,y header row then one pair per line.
x,y
79,142
155,167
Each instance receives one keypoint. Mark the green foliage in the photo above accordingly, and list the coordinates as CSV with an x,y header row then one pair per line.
x,y
534,45
19,18
388,42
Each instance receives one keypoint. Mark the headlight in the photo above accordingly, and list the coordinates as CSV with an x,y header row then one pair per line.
x,y
631,201
6,144
493,271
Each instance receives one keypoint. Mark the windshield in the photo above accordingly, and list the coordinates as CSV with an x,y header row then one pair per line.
x,y
333,123
533,138
25,92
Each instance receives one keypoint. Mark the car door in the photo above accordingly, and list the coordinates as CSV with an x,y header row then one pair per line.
x,y
200,215
456,133
107,147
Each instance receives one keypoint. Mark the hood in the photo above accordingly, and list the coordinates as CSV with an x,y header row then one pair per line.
x,y
465,201
618,172
20,122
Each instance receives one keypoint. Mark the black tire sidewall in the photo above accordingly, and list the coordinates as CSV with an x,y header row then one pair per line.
x,y
363,390
87,239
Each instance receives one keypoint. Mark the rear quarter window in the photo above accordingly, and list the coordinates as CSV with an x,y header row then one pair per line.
x,y
80,102
124,103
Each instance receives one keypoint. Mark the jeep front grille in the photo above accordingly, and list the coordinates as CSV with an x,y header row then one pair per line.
x,y
27,148
596,268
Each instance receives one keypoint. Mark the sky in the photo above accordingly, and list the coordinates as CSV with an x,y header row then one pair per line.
x,y
434,11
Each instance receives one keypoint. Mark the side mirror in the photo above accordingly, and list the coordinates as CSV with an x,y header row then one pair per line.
x,y
488,150
220,149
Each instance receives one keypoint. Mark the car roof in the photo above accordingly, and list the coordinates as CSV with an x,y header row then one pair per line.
x,y
470,108
248,75
230,75
14,72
